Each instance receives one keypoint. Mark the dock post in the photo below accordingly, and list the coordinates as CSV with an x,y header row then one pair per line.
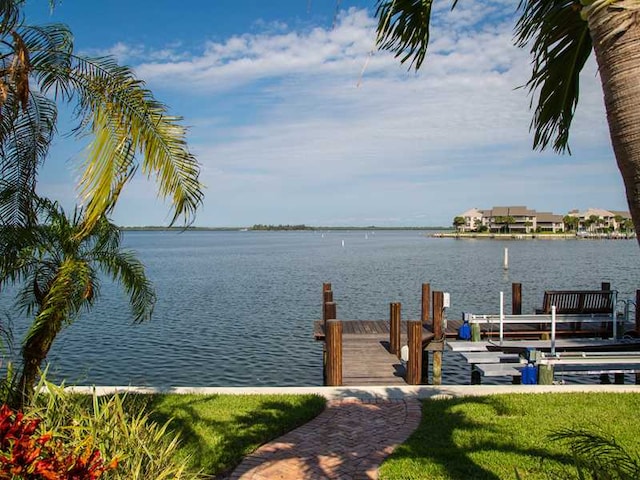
x,y
545,374
424,377
638,326
327,297
334,353
438,331
395,319
426,298
414,340
638,312
516,298
328,313
438,302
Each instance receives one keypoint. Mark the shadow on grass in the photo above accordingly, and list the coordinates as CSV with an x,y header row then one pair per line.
x,y
451,443
217,431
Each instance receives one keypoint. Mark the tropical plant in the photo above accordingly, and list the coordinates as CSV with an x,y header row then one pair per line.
x,y
120,427
128,126
597,456
458,222
571,222
561,35
27,451
57,270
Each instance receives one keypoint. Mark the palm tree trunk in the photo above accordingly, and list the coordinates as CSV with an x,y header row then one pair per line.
x,y
615,31
34,352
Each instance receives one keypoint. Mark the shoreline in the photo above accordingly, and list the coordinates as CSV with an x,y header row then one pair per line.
x,y
532,236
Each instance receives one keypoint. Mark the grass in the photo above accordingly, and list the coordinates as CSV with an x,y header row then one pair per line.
x,y
489,437
217,431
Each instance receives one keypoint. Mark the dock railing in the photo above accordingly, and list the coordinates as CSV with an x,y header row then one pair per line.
x,y
553,319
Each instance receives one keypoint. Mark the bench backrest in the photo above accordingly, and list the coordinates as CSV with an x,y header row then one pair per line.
x,y
579,301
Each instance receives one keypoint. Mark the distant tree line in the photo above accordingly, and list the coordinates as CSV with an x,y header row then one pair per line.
x,y
260,226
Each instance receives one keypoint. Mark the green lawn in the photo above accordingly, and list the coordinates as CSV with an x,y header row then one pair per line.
x,y
218,430
489,437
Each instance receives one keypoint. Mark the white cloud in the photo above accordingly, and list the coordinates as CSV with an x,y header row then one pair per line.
x,y
318,125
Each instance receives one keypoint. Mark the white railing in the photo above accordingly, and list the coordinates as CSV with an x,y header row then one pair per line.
x,y
501,319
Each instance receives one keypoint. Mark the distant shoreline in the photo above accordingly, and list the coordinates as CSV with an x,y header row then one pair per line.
x,y
533,236
274,229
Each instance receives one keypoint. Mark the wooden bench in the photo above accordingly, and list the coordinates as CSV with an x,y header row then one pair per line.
x,y
579,301
573,302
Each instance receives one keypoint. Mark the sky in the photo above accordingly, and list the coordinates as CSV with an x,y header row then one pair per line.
x,y
296,118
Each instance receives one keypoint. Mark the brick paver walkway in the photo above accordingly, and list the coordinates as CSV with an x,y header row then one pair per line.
x,y
347,441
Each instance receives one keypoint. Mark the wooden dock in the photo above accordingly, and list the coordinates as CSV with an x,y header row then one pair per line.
x,y
366,356
367,352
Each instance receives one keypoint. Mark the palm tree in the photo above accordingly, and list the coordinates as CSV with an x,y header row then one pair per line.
x,y
57,271
458,222
129,128
561,35
571,222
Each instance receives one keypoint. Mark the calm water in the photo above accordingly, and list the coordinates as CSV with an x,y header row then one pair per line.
x,y
236,308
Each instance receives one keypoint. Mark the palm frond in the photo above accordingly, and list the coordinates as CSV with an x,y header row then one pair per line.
x,y
403,28
125,120
127,270
560,45
25,137
64,299
599,454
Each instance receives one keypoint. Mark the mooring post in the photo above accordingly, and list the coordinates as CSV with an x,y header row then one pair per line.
x,y
638,312
327,297
516,298
426,298
545,374
438,331
395,320
414,341
424,376
334,353
438,309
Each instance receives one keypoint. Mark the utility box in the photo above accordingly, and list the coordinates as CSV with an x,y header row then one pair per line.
x,y
446,300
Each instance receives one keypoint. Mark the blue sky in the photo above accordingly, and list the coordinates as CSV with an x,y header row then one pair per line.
x,y
296,118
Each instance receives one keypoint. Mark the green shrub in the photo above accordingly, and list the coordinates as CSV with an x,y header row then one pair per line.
x,y
142,448
29,453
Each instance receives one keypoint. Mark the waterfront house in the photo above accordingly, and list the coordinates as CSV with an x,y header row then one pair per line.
x,y
519,219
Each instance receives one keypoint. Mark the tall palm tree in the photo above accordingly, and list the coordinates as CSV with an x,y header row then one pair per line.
x,y
58,274
561,34
128,127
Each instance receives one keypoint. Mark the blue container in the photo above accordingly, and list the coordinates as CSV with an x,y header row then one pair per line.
x,y
530,374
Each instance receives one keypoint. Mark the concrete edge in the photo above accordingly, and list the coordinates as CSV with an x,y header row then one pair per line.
x,y
366,393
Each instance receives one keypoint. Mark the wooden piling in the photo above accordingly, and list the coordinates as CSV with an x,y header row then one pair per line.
x,y
414,341
334,353
437,367
437,316
545,374
395,319
638,312
424,377
606,286
329,311
426,299
438,331
327,297
516,298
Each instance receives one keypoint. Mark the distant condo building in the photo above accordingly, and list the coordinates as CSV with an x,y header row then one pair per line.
x,y
520,219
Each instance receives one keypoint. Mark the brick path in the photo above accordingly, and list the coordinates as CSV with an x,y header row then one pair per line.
x,y
348,441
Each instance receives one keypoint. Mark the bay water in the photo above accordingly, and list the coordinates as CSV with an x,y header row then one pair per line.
x,y
237,308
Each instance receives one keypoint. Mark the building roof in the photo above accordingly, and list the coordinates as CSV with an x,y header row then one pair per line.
x,y
473,212
548,217
513,211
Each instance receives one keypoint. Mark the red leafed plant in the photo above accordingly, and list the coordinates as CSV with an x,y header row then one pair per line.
x,y
25,453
